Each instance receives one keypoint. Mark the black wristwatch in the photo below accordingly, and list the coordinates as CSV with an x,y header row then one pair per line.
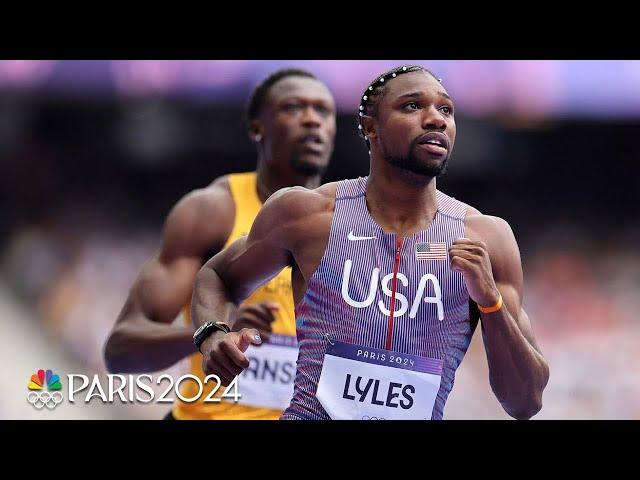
x,y
206,330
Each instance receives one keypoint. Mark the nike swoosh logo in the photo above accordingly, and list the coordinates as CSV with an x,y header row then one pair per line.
x,y
354,238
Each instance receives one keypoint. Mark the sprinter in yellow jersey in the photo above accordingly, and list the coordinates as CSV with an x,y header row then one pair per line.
x,y
292,121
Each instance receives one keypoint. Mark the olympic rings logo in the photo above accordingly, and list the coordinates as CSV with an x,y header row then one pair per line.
x,y
367,417
45,399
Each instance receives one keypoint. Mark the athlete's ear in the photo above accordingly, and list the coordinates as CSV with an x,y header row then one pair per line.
x,y
256,130
369,125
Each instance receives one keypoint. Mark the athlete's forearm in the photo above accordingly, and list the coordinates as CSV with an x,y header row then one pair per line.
x,y
142,346
518,373
211,300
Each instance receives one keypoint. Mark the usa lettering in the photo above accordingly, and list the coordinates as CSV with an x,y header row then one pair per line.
x,y
385,283
378,392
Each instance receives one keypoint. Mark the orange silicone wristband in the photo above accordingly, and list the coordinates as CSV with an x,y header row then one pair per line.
x,y
493,308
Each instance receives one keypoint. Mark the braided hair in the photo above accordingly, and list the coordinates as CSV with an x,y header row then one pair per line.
x,y
374,92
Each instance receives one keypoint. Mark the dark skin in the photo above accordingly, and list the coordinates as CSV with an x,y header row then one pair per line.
x,y
294,135
293,229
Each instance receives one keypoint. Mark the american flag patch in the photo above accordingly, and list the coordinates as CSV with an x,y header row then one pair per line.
x,y
431,251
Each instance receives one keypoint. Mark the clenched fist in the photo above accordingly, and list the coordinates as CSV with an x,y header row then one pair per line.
x,y
470,257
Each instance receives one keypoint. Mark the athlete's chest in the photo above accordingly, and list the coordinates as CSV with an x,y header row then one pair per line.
x,y
363,267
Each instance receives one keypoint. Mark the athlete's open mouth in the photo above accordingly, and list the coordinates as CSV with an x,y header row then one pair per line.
x,y
435,138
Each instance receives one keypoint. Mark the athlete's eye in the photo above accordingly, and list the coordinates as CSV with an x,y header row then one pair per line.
x,y
291,107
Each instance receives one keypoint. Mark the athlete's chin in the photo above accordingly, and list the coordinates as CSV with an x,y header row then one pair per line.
x,y
310,165
426,169
429,165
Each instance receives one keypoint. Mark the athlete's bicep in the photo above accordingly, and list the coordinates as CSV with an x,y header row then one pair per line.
x,y
165,283
507,270
254,259
163,288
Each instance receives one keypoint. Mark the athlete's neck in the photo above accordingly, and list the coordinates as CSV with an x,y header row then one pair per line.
x,y
401,202
270,182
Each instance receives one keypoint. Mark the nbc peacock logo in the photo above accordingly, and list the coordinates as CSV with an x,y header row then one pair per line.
x,y
38,396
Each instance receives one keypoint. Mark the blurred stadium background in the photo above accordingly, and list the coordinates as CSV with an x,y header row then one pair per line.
x,y
93,154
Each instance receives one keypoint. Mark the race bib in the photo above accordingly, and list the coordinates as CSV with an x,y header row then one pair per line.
x,y
364,383
268,381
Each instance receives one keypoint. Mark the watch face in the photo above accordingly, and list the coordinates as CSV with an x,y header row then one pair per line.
x,y
200,330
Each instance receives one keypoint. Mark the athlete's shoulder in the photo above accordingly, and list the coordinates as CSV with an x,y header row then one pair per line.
x,y
199,204
476,221
201,220
494,232
296,202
